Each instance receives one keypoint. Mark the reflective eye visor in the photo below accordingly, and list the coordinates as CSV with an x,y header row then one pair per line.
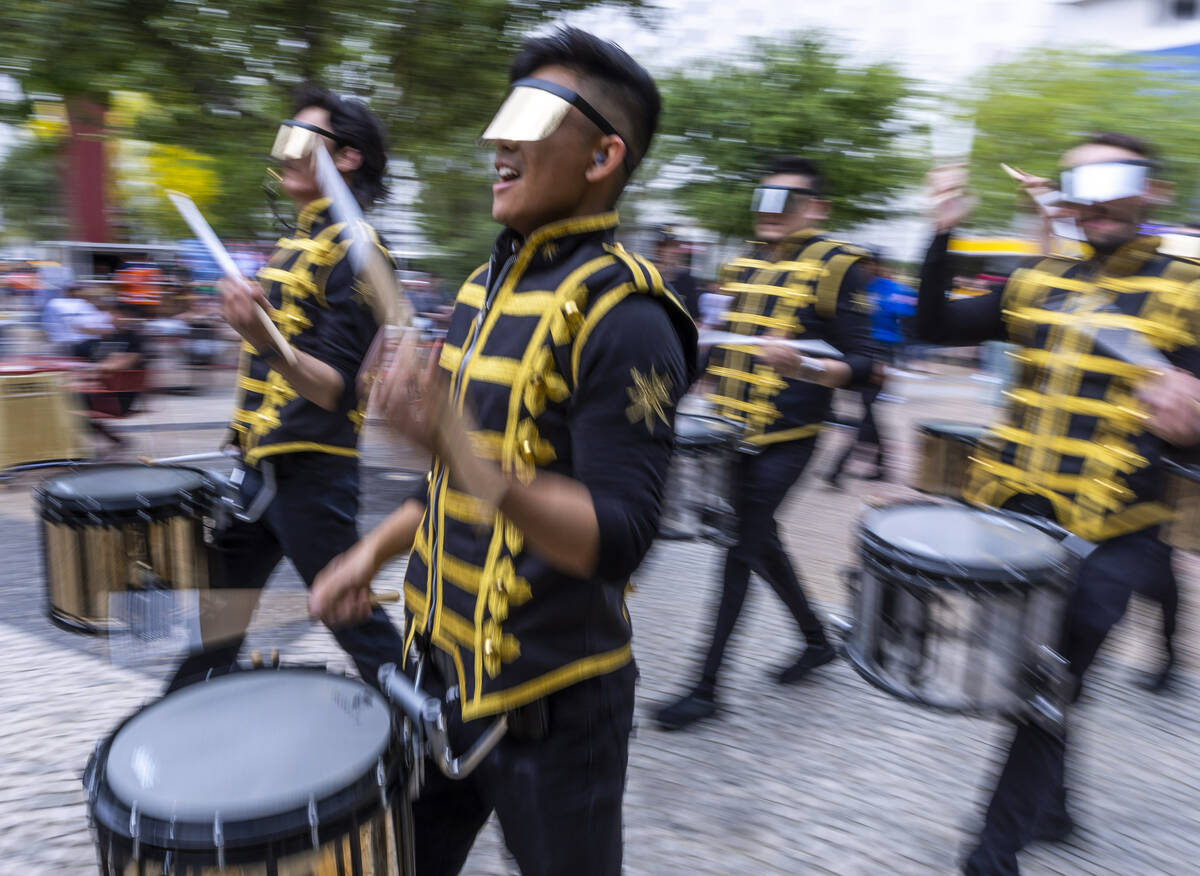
x,y
295,140
1106,181
777,199
535,108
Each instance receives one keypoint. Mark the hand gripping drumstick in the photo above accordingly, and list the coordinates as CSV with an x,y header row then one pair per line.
x,y
192,216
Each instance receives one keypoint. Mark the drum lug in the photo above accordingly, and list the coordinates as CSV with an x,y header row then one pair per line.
x,y
313,821
135,830
381,781
219,841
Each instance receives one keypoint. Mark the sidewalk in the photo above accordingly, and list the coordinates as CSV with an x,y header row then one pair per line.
x,y
827,777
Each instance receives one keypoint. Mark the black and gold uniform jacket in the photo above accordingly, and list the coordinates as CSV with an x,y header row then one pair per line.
x,y
569,355
805,286
320,309
1090,333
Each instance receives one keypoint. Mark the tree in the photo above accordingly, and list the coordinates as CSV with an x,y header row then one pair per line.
x,y
221,74
1029,111
724,121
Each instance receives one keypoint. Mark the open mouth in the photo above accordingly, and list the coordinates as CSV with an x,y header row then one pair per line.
x,y
507,173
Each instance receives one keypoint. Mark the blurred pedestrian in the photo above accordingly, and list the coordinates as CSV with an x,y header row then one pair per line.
x,y
796,282
1107,386
300,422
890,303
73,324
572,355
671,258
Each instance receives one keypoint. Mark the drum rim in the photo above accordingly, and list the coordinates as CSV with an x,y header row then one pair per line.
x,y
726,436
286,832
933,573
930,427
60,509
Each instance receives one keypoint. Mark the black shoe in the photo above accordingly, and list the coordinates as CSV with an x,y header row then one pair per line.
x,y
685,711
813,656
1054,829
1161,681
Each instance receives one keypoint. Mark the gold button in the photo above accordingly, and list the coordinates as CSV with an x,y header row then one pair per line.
x,y
500,585
487,648
526,449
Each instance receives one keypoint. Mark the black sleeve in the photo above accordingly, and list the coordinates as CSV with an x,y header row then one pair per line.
x,y
631,375
965,322
347,327
851,329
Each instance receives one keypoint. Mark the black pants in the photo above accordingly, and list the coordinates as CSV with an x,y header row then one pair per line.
x,y
760,485
867,434
311,520
1031,790
558,798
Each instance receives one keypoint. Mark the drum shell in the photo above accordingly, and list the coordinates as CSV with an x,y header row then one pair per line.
x,y
956,639
1183,497
946,451
363,828
89,553
697,496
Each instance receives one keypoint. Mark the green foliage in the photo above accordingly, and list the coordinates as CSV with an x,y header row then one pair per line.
x,y
724,121
30,191
1031,110
221,73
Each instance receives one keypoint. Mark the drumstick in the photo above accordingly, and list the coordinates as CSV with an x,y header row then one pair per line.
x,y
151,626
194,218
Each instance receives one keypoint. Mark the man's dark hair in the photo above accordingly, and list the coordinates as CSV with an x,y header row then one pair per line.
x,y
1128,142
353,125
794,164
623,79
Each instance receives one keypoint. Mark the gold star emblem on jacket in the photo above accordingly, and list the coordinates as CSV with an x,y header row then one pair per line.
x,y
649,397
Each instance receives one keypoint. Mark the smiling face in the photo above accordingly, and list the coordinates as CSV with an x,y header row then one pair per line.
x,y
1109,224
547,180
801,211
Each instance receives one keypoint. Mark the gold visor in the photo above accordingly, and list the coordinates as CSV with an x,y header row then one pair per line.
x,y
527,114
293,142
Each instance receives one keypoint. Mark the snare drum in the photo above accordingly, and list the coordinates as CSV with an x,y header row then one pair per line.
x,y
957,608
290,771
1183,497
696,499
946,451
120,527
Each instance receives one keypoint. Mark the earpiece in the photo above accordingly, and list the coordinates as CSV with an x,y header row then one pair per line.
x,y
601,158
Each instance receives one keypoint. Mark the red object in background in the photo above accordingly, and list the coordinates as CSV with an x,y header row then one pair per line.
x,y
86,172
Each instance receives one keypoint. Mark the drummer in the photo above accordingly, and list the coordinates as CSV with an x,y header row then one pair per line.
x,y
796,282
572,354
1093,410
301,421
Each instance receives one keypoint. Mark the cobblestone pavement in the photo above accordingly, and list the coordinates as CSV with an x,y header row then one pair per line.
x,y
830,776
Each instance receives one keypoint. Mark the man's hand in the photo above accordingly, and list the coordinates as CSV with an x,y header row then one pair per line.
x,y
240,298
949,202
413,397
789,362
1172,404
341,593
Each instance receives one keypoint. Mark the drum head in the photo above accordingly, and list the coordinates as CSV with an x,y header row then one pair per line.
x,y
960,542
121,488
248,745
697,431
968,432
